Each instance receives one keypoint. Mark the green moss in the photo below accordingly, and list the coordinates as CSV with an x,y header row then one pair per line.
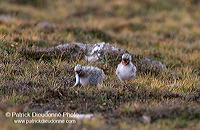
x,y
8,49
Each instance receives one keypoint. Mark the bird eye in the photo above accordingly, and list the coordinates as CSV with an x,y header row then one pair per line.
x,y
78,72
125,59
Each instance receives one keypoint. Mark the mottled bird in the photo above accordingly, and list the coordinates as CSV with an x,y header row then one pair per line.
x,y
126,70
88,75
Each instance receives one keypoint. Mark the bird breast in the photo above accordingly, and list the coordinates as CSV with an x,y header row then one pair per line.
x,y
126,72
84,81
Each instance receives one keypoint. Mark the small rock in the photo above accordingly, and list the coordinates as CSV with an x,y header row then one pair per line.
x,y
198,85
50,111
1,66
172,85
5,19
44,26
84,116
97,47
146,119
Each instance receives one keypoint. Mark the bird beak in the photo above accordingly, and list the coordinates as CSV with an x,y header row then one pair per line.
x,y
78,72
125,62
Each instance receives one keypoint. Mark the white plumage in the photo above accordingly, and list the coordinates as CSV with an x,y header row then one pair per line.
x,y
126,70
88,75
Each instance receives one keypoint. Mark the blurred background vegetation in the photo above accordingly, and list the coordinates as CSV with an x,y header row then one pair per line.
x,y
163,30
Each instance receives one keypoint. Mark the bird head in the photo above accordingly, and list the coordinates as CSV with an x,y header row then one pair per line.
x,y
126,59
78,69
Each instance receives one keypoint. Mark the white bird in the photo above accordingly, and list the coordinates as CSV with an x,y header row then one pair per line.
x,y
88,75
126,70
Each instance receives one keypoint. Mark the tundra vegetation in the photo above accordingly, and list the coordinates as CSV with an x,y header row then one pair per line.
x,y
164,30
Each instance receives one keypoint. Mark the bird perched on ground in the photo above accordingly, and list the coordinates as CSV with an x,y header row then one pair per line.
x,y
126,70
88,75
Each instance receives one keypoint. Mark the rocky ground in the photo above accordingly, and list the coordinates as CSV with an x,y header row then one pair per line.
x,y
42,41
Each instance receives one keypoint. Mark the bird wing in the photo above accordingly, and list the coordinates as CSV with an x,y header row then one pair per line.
x,y
117,70
93,79
134,70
